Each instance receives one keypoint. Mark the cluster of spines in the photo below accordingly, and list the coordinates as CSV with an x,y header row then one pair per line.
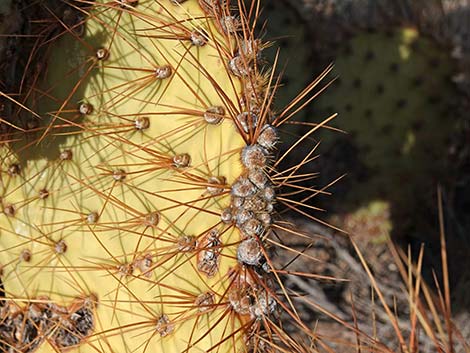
x,y
251,294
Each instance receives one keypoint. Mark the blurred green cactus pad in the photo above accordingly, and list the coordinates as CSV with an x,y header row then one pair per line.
x,y
396,106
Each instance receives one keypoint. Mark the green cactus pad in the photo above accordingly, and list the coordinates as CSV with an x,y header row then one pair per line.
x,y
396,99
118,164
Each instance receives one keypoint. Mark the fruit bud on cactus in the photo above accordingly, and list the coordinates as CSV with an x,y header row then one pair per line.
x,y
138,184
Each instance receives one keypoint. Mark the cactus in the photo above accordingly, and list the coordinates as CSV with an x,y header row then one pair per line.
x,y
393,94
377,45
396,68
137,182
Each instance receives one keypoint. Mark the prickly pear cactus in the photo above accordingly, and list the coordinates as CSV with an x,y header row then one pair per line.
x,y
401,72
397,112
135,182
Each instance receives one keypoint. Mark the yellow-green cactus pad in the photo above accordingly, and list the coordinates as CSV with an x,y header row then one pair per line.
x,y
135,189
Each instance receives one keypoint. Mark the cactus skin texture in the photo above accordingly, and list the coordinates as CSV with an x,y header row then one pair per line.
x,y
135,194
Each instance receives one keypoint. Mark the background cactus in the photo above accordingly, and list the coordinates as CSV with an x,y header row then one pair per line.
x,y
413,33
384,190
398,117
138,182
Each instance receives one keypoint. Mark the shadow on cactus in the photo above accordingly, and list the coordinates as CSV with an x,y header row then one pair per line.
x,y
138,188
